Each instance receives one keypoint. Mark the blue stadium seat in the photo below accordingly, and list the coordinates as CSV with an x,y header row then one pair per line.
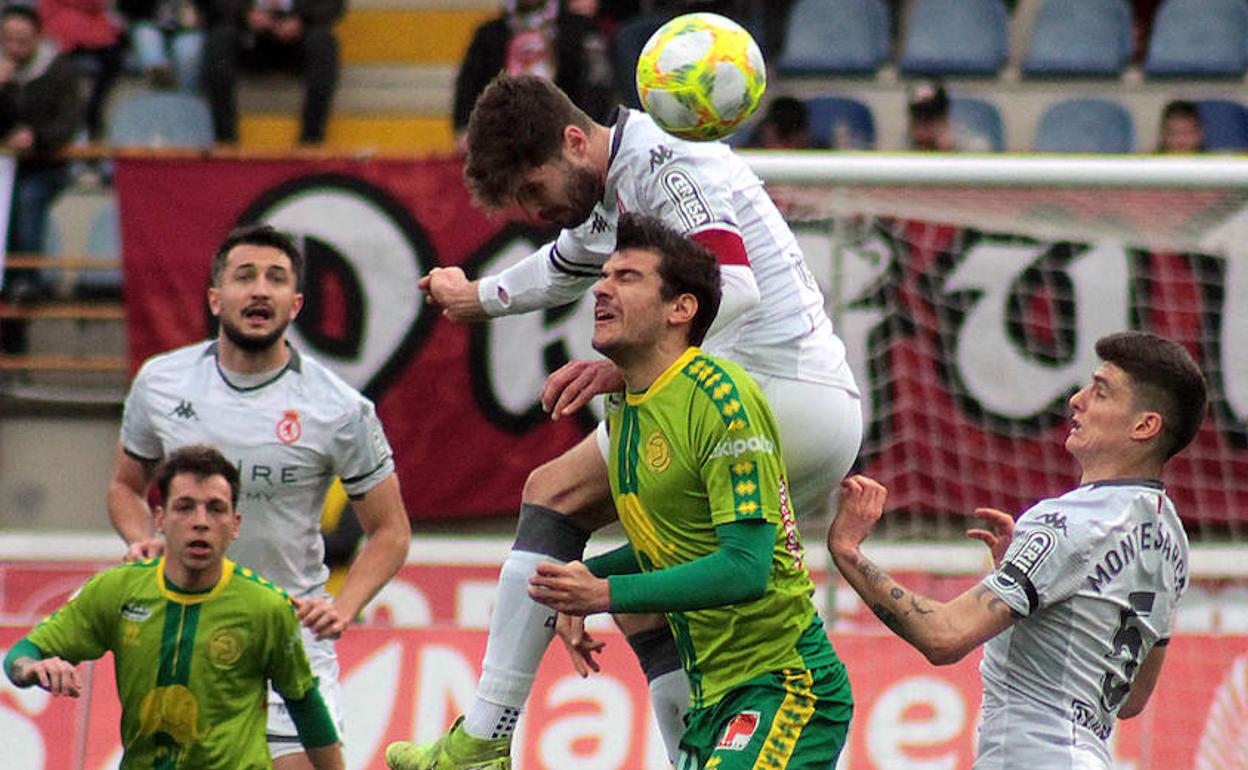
x,y
1080,37
1225,125
827,113
158,119
979,118
836,37
103,242
1199,38
1085,126
629,39
955,37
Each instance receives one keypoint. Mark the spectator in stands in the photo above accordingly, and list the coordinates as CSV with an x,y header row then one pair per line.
x,y
91,35
290,35
1181,130
786,126
931,130
40,111
535,37
167,41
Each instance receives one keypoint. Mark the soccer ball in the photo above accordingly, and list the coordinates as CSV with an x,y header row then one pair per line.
x,y
700,75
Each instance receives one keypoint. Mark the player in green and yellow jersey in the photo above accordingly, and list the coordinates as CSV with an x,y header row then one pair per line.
x,y
699,483
195,638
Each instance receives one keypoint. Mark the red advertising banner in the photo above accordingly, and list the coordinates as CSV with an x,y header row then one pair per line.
x,y
908,715
966,345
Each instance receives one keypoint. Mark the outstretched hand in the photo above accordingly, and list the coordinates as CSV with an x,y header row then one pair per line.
x,y
580,645
574,384
998,535
451,290
55,675
570,588
860,506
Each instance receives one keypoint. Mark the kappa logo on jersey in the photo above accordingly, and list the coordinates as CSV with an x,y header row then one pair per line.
x,y
735,447
1031,554
659,154
687,197
135,611
288,428
739,731
1055,520
599,224
185,410
658,452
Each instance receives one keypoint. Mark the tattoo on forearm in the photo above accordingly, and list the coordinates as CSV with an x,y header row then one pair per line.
x,y
919,607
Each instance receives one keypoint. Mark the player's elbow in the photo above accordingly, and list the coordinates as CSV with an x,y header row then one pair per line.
x,y
945,649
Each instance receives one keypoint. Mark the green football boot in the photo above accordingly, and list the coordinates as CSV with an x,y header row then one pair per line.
x,y
457,750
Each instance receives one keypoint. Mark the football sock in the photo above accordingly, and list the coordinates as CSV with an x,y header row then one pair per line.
x,y
520,628
669,686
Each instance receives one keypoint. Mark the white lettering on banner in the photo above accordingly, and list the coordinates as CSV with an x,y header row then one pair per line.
x,y
995,372
368,696
403,603
516,366
23,741
474,602
446,678
382,258
1234,336
890,729
608,732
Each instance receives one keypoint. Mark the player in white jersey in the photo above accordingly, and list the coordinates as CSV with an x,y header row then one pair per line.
x,y
529,146
291,426
1077,615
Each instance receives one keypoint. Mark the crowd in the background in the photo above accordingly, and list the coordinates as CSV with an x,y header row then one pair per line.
x,y
62,59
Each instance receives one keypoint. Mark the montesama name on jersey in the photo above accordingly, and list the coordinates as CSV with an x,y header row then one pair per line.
x,y
1096,575
289,435
705,191
190,667
697,449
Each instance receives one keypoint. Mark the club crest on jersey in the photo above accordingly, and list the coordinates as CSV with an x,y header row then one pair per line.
x,y
658,452
687,197
288,428
739,731
225,648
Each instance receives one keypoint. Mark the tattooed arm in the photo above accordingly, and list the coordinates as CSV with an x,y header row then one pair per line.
x,y
943,631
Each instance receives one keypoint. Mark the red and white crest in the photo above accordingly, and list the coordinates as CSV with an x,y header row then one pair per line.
x,y
739,731
288,428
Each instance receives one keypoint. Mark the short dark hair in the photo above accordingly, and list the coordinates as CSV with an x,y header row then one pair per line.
x,y
1164,379
516,125
685,266
258,235
1180,108
22,11
201,461
789,115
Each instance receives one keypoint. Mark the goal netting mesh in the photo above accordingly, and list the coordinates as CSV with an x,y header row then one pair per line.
x,y
970,290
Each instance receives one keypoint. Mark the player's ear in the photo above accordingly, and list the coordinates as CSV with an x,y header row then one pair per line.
x,y
575,141
296,306
1147,426
684,309
214,301
158,517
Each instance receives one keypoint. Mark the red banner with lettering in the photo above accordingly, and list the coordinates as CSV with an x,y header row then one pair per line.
x,y
966,345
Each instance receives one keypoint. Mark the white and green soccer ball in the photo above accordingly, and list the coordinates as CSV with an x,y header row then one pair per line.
x,y
700,76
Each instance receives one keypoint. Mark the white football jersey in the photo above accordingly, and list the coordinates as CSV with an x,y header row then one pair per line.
x,y
693,187
289,436
1096,575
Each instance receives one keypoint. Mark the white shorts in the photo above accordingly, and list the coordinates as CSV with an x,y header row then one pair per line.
x,y
281,733
820,435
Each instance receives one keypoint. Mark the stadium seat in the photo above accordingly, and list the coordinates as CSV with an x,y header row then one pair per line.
x,y
836,37
1079,37
1199,38
629,39
955,37
103,242
1085,126
979,118
827,113
1225,124
159,119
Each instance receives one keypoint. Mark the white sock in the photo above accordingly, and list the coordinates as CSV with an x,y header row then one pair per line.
x,y
669,697
520,632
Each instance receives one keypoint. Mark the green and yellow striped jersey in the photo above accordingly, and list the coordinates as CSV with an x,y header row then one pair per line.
x,y
697,449
191,667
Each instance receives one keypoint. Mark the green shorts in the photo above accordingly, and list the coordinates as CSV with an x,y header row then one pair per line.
x,y
796,719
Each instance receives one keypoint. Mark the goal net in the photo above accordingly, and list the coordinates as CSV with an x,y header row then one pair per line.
x,y
969,291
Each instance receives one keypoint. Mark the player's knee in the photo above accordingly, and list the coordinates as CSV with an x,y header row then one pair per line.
x,y
550,486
